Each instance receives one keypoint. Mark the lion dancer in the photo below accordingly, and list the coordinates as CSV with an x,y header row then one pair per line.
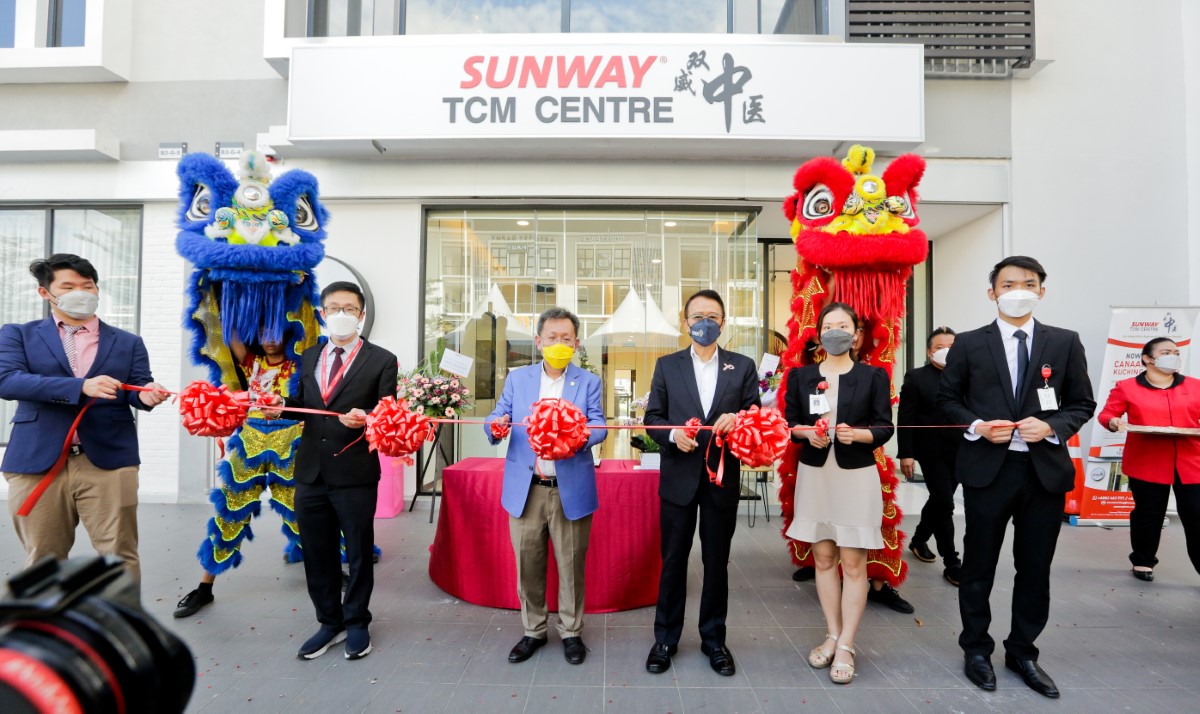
x,y
856,243
251,311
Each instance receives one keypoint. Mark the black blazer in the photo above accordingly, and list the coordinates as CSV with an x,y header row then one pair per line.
x,y
675,398
864,400
976,385
369,378
919,407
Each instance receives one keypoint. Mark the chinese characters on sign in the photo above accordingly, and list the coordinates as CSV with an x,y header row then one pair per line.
x,y
723,87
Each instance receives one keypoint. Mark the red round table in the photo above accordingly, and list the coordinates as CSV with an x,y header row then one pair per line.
x,y
472,556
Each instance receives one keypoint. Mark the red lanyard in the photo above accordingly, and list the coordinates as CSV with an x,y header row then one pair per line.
x,y
333,380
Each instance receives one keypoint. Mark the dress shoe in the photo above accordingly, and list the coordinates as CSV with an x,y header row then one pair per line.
x,y
1147,575
720,659
978,669
524,649
952,574
922,552
574,650
1035,677
888,595
320,643
193,601
358,643
659,660
804,574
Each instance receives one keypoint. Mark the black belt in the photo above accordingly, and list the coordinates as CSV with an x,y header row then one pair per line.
x,y
75,450
545,482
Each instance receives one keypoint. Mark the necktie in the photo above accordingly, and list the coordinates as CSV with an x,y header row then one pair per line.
x,y
334,368
1022,360
68,343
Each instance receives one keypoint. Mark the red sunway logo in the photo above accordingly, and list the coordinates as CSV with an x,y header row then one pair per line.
x,y
581,72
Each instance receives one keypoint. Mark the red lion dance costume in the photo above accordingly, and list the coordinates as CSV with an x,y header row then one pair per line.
x,y
857,242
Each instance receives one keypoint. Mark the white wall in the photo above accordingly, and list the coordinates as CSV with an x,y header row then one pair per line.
x,y
962,259
1190,30
1099,163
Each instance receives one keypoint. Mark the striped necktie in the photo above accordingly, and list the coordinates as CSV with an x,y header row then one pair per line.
x,y
68,342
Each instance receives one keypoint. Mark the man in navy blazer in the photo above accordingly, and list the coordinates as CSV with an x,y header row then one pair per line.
x,y
549,498
712,385
52,367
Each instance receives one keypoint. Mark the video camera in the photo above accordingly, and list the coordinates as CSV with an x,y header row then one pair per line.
x,y
74,638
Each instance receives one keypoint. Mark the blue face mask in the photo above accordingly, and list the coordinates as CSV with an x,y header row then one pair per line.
x,y
705,332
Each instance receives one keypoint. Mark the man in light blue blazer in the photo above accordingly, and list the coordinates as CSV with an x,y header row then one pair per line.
x,y
553,499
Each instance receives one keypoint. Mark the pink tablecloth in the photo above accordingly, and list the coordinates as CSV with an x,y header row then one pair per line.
x,y
472,556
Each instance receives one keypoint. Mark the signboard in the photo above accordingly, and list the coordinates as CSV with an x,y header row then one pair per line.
x,y
541,87
1104,497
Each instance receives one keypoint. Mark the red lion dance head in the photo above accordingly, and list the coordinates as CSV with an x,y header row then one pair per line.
x,y
856,240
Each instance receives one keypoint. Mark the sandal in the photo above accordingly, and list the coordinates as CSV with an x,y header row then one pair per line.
x,y
847,667
817,659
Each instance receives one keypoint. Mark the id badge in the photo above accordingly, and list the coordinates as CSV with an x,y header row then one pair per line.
x,y
1047,399
817,404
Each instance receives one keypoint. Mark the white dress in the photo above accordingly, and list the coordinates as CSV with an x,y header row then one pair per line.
x,y
833,503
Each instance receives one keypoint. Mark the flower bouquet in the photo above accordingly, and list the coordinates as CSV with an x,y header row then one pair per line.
x,y
434,393
768,387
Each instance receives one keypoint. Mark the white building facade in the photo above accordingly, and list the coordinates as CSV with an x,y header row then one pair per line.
x,y
484,159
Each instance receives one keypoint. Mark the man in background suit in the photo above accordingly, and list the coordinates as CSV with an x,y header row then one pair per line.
x,y
337,475
552,499
1023,387
713,385
936,449
52,367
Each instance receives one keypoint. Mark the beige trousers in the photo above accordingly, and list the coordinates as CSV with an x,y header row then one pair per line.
x,y
544,518
105,501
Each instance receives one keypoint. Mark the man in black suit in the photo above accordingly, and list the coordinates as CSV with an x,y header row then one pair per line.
x,y
712,385
936,449
337,476
1023,388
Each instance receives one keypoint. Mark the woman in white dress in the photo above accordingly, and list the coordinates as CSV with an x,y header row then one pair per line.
x,y
838,507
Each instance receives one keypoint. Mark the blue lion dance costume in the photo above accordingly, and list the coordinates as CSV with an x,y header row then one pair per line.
x,y
254,243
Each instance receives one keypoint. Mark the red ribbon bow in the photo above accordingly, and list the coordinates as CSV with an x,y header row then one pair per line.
x,y
209,410
822,427
759,437
692,427
393,430
500,429
557,429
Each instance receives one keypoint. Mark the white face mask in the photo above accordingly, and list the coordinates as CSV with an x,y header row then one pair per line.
x,y
1017,303
1169,363
939,356
342,325
79,304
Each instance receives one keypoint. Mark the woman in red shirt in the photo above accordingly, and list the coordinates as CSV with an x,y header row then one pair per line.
x,y
1158,397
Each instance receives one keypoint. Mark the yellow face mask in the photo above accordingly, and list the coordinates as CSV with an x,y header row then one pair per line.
x,y
558,356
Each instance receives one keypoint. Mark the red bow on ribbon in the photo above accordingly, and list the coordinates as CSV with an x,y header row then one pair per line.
x,y
822,427
557,429
394,431
500,429
692,427
209,410
759,437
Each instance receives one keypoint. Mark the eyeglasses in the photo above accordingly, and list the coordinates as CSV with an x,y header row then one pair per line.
x,y
709,316
351,311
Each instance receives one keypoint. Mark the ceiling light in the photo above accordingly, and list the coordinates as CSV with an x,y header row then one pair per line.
x,y
670,224
522,223
656,261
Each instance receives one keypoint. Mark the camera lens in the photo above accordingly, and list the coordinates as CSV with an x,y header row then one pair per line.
x,y
74,639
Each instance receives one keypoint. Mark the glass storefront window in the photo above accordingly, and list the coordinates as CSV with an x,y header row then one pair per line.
x,y
711,16
109,237
625,273
8,20
428,17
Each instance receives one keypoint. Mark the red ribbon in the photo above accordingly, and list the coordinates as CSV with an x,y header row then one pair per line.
x,y
209,410
394,430
692,427
822,427
557,429
759,437
500,429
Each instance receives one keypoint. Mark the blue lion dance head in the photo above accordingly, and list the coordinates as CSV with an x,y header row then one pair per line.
x,y
254,243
